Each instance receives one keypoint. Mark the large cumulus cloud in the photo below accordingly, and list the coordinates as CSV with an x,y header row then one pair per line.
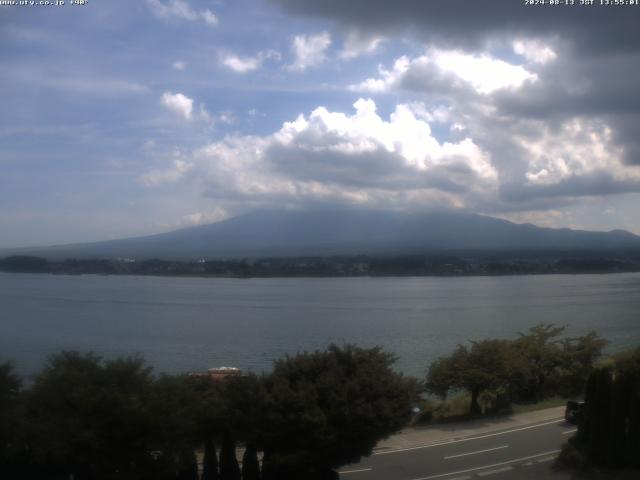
x,y
335,157
548,92
534,108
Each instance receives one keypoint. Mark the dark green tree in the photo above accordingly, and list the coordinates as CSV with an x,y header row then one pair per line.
x,y
229,468
486,365
211,416
609,433
11,419
444,375
579,356
490,365
329,408
542,348
89,418
187,466
174,407
244,411
536,365
250,465
210,460
627,371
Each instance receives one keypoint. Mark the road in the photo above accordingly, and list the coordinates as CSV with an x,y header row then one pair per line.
x,y
522,452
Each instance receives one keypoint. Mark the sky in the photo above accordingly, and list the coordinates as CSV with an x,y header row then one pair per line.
x,y
123,118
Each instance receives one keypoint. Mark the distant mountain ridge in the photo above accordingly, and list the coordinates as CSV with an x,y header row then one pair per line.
x,y
341,232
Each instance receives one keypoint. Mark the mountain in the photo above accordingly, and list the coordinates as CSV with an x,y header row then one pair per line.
x,y
342,232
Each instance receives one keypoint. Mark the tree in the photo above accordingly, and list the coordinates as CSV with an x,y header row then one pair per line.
x,y
24,264
229,468
443,374
579,356
250,465
542,348
11,418
534,366
244,410
627,371
609,432
210,460
88,417
490,365
329,408
187,465
174,406
210,417
487,365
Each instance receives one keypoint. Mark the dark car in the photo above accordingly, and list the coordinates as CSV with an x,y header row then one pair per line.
x,y
574,411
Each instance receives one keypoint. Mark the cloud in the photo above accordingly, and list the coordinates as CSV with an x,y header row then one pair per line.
x,y
598,46
359,140
182,10
470,25
309,50
357,44
247,64
178,103
209,17
227,117
241,64
577,158
179,65
492,164
200,218
333,157
448,69
534,51
175,172
77,82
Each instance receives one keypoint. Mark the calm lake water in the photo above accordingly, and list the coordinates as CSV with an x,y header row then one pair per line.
x,y
183,324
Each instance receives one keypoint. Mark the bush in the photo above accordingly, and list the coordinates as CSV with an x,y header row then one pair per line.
x,y
571,458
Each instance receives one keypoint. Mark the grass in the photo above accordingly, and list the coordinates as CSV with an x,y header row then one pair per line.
x,y
541,405
456,409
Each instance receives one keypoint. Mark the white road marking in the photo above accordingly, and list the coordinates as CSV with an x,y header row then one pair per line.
x,y
493,472
567,432
479,451
469,438
546,459
355,471
440,475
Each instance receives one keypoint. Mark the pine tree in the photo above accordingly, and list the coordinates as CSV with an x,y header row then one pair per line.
x,y
229,468
210,460
250,466
188,466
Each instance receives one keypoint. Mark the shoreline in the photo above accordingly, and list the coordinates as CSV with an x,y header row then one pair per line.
x,y
328,276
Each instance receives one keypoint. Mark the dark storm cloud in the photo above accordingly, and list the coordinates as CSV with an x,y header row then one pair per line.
x,y
603,87
462,22
575,85
378,169
425,77
597,183
596,73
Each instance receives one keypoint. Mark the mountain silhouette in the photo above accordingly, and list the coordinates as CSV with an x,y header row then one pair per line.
x,y
342,232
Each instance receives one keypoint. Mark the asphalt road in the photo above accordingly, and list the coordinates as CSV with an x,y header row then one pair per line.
x,y
522,452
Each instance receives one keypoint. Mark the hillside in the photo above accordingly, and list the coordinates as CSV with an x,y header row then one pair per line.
x,y
343,232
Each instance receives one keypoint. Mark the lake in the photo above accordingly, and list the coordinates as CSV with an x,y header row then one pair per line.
x,y
185,324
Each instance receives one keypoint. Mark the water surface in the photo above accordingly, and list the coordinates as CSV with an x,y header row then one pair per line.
x,y
183,324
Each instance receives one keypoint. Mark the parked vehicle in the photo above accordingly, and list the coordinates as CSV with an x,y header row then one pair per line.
x,y
574,411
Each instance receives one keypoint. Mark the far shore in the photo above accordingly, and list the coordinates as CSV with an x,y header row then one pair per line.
x,y
430,265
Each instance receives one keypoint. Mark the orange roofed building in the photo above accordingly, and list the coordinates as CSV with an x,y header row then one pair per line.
x,y
219,373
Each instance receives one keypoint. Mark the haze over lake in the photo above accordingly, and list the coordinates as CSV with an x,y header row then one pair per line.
x,y
184,324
